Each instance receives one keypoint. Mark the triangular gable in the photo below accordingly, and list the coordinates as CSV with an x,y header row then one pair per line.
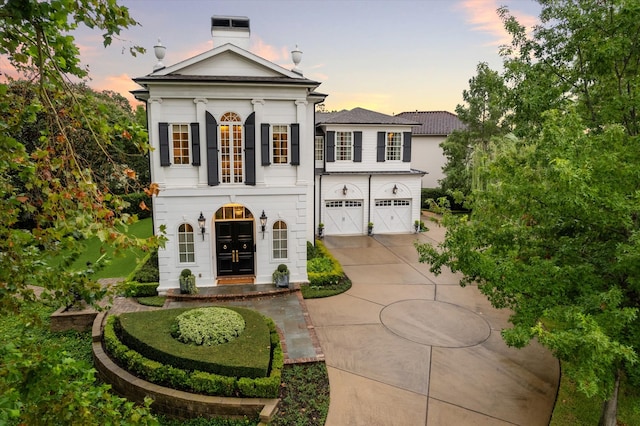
x,y
226,60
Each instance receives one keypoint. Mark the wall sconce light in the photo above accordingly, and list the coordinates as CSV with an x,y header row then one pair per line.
x,y
344,190
395,189
201,223
263,223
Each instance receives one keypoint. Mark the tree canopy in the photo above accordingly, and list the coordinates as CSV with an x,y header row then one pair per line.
x,y
554,230
53,194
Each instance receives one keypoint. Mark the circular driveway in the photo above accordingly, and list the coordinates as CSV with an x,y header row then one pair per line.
x,y
434,323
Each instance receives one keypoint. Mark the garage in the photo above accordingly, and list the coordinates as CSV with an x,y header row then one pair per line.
x,y
392,216
343,217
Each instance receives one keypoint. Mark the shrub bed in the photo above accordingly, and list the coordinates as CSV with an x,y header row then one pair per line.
x,y
324,269
191,380
149,333
136,289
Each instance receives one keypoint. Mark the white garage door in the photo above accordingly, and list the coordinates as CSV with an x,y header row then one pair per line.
x,y
392,216
343,217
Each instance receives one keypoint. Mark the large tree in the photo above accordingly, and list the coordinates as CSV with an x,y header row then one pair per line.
x,y
483,114
554,233
43,177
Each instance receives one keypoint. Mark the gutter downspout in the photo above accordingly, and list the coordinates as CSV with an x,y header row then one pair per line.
x,y
369,213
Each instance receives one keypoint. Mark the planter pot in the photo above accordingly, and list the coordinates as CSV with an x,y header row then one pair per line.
x,y
282,281
370,231
187,284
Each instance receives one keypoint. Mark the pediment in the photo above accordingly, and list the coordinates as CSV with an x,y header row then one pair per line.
x,y
226,60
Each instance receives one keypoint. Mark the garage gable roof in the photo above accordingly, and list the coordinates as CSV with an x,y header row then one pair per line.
x,y
361,116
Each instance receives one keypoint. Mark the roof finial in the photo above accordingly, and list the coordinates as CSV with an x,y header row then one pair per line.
x,y
296,56
160,51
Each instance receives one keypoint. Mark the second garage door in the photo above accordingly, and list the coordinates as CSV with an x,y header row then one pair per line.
x,y
392,216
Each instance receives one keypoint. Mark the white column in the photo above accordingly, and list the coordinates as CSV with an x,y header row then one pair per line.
x,y
155,111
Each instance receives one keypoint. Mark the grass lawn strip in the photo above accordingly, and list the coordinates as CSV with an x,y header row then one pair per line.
x,y
149,333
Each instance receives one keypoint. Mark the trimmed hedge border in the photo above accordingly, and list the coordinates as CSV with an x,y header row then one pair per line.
x,y
174,402
326,278
197,381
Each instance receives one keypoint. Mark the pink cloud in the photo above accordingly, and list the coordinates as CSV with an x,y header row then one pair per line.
x,y
120,84
277,55
482,15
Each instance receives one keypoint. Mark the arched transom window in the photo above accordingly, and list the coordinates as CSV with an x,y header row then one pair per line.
x,y
186,247
231,148
280,240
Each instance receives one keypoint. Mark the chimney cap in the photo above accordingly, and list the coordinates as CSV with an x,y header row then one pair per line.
x,y
229,22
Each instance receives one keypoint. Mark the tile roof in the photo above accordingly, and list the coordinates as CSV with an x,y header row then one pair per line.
x,y
433,122
360,116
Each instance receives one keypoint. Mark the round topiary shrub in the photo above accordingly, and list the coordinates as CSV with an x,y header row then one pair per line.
x,y
207,326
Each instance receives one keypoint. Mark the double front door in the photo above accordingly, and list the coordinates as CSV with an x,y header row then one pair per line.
x,y
235,247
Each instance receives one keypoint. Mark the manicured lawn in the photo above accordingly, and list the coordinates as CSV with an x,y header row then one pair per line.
x,y
574,409
118,266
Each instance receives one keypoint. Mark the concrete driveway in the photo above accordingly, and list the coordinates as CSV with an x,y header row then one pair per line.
x,y
404,347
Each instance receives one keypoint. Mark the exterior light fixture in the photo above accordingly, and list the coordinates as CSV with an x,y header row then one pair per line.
x,y
201,223
263,223
395,189
344,190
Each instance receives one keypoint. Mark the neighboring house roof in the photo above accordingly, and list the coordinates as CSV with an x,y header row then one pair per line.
x,y
360,116
436,123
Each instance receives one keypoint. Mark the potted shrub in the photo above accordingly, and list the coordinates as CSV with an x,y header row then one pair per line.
x,y
320,229
416,225
187,282
281,276
370,228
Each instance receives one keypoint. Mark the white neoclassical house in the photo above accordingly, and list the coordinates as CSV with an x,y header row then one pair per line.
x,y
233,139
247,171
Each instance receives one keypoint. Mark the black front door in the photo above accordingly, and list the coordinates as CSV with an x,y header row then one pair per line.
x,y
234,247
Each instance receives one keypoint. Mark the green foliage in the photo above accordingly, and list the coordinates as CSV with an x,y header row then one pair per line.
x,y
304,397
150,334
147,269
136,289
208,326
189,379
157,301
554,238
49,378
186,273
331,277
312,251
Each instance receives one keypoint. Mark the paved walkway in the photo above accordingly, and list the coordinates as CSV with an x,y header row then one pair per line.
x,y
404,347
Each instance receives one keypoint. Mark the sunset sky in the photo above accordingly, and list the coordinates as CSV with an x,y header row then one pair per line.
x,y
387,55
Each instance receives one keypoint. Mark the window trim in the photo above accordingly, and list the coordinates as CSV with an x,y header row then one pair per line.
x,y
318,148
278,233
187,142
186,244
393,149
287,147
338,146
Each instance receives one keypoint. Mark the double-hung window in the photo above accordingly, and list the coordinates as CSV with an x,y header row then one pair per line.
x,y
394,146
180,143
186,246
280,138
280,244
319,148
344,146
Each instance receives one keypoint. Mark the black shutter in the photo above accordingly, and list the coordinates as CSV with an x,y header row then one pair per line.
x,y
264,144
295,144
164,144
406,148
381,147
213,176
250,150
357,147
195,144
330,152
